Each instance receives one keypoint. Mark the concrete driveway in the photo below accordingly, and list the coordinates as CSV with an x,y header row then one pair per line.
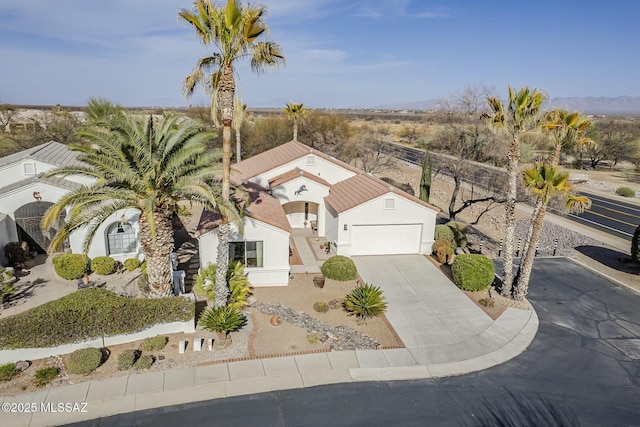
x,y
436,321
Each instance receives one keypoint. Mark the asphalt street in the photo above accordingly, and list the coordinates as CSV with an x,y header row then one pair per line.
x,y
583,368
612,216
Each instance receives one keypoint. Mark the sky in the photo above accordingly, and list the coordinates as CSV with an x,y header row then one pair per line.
x,y
339,53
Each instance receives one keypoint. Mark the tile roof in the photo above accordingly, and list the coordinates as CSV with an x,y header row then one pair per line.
x,y
362,188
56,182
281,155
52,152
293,174
262,207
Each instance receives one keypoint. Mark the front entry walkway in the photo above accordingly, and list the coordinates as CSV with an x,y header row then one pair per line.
x,y
309,262
437,323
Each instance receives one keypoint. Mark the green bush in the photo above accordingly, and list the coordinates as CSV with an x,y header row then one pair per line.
x,y
131,264
44,376
321,307
365,302
86,314
71,266
473,272
221,319
143,267
84,361
444,232
339,268
154,343
625,192
127,358
635,245
459,233
14,253
144,362
103,265
7,371
442,250
239,285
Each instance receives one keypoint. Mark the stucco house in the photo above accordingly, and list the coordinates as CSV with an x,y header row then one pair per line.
x,y
294,186
25,195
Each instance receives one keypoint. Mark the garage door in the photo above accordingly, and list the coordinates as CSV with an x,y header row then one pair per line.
x,y
386,239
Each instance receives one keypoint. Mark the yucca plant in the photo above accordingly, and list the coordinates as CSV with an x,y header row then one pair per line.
x,y
365,302
221,320
239,285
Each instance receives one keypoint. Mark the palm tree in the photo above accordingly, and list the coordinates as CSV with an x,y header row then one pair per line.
x,y
101,109
233,30
143,164
295,113
239,110
543,180
519,117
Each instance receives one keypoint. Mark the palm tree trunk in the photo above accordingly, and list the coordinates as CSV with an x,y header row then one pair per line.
x,y
534,216
227,91
524,273
513,158
295,129
238,147
157,252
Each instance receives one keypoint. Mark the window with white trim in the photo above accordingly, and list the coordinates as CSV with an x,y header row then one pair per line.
x,y
248,253
389,203
121,239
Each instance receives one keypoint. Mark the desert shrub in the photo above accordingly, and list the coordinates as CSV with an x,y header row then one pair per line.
x,y
442,250
86,314
103,265
44,376
14,253
625,192
472,272
144,362
459,233
444,232
131,264
127,358
221,319
635,246
313,338
239,285
71,266
339,268
321,307
365,302
154,343
486,302
84,361
7,371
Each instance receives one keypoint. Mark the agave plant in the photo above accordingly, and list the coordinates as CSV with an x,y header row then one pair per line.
x,y
221,320
365,302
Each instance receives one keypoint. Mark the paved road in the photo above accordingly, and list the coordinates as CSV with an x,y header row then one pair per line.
x,y
583,368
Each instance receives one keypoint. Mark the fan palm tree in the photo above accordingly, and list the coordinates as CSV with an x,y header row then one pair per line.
x,y
543,180
519,117
145,165
295,113
233,30
239,110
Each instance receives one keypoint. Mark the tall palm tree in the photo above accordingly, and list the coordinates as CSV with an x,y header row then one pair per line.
x,y
233,31
146,165
563,129
295,113
543,180
239,111
520,116
101,109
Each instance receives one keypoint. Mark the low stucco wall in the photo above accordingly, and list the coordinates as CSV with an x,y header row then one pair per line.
x,y
8,356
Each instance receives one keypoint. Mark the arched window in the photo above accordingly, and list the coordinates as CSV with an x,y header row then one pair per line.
x,y
121,239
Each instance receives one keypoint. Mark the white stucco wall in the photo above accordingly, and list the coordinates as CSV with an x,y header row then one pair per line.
x,y
315,193
5,224
331,231
374,213
325,169
275,261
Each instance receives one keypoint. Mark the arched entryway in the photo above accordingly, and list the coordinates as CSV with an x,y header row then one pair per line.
x,y
28,218
301,214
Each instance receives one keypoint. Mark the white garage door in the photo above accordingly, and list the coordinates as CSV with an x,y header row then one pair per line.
x,y
386,239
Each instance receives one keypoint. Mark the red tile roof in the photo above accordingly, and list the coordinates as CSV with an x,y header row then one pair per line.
x,y
293,174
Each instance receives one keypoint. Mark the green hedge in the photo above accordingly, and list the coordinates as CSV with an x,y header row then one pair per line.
x,y
84,361
444,232
103,265
154,343
127,358
472,272
71,266
131,264
86,314
339,268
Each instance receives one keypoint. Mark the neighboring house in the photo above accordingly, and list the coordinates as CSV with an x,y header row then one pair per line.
x,y
295,186
25,195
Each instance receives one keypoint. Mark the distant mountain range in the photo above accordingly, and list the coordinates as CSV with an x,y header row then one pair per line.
x,y
586,105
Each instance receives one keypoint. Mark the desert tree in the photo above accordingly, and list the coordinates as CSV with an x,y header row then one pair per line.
x,y
234,32
369,146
